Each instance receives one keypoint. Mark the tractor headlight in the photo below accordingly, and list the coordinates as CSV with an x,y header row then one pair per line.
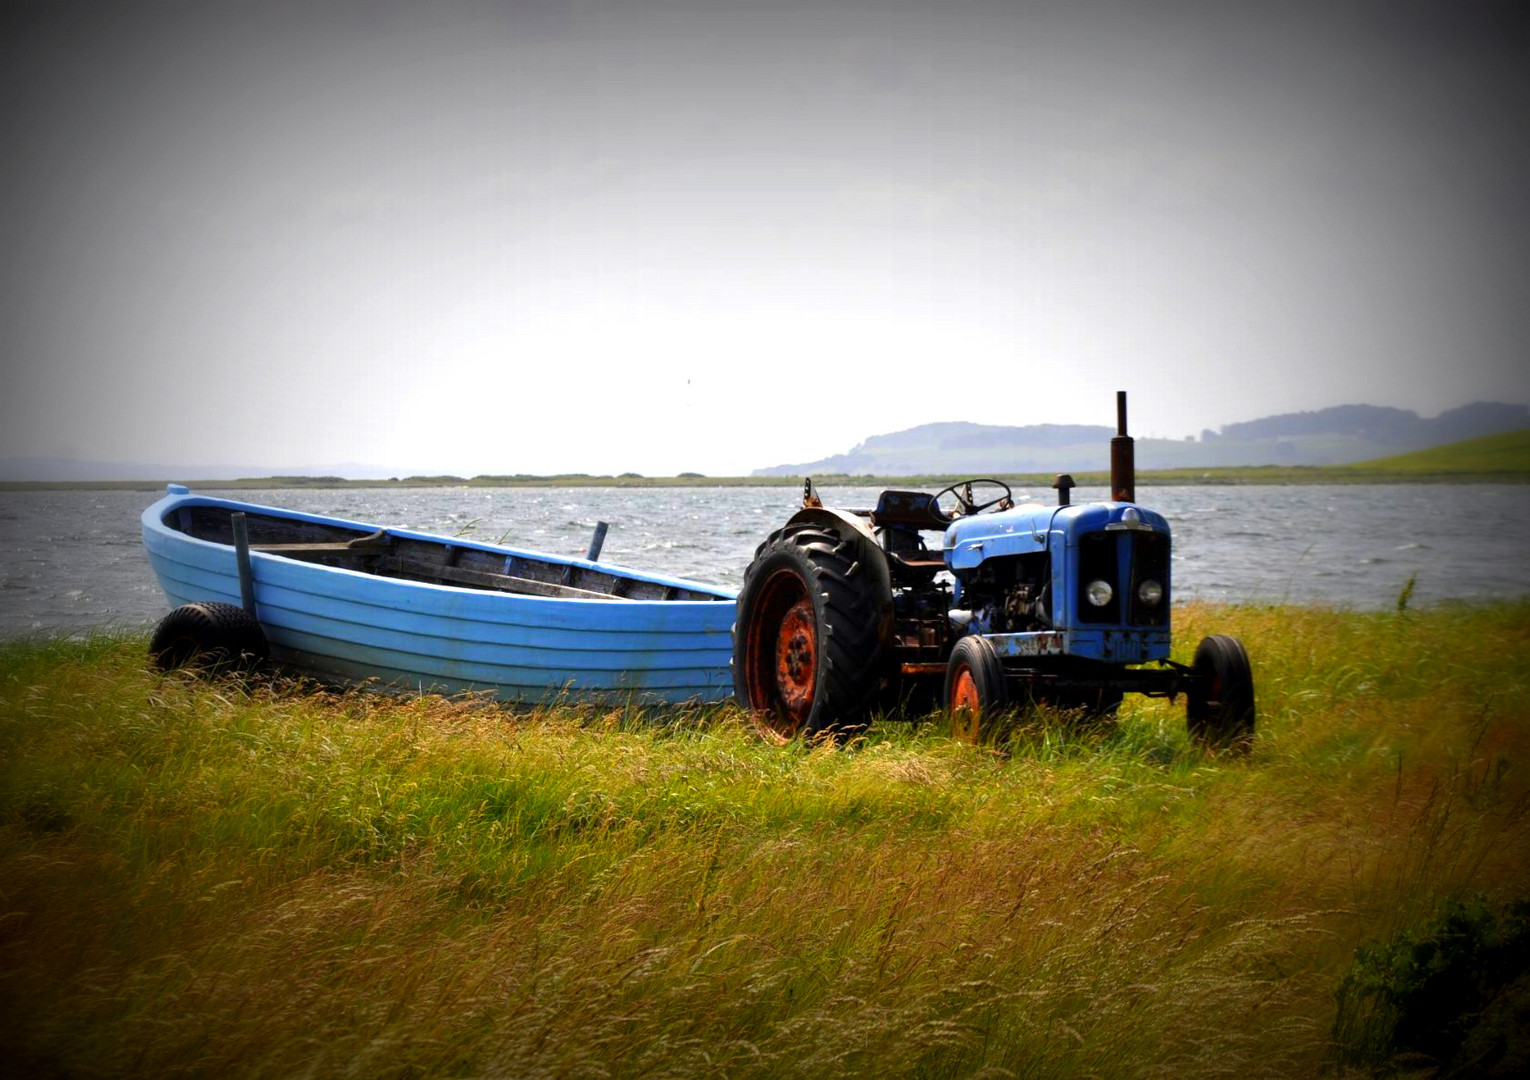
x,y
1150,592
1099,593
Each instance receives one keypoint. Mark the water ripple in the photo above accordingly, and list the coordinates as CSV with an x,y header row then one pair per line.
x,y
75,559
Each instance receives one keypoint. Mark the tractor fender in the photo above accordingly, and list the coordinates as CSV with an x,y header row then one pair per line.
x,y
873,560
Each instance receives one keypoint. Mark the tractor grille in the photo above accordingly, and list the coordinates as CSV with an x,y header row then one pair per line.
x,y
1099,559
1097,562
1150,562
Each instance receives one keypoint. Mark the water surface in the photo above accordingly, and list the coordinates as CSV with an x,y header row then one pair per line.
x,y
72,560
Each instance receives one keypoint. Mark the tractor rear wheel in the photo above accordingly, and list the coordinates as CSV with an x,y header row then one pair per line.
x,y
975,690
809,637
1219,709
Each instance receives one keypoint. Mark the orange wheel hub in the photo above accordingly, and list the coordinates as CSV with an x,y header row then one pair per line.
x,y
966,707
797,659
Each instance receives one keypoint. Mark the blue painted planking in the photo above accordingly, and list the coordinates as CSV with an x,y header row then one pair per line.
x,y
191,560
592,653
278,606
505,673
330,667
279,589
438,635
354,625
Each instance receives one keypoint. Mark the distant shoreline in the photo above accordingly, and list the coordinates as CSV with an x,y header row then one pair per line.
x,y
1333,475
1491,459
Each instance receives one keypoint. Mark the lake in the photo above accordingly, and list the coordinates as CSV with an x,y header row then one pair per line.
x,y
73,560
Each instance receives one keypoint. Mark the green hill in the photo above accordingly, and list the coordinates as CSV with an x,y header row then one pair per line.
x,y
1505,453
1338,436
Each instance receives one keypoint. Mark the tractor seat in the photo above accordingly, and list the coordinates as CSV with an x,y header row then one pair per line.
x,y
911,509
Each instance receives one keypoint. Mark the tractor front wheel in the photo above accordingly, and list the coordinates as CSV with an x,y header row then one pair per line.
x,y
808,641
974,689
1219,708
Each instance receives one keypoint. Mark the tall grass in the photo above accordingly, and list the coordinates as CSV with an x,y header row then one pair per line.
x,y
267,879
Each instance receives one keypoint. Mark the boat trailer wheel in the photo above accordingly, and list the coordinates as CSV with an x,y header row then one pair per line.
x,y
210,636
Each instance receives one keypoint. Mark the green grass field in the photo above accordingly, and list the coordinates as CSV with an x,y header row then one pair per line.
x,y
1507,453
206,878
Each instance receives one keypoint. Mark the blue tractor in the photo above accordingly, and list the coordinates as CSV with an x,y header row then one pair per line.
x,y
845,612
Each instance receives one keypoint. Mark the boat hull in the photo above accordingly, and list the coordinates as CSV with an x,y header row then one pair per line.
x,y
351,625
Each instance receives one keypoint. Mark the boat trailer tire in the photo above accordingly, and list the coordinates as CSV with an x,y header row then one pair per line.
x,y
975,691
807,643
208,635
1219,708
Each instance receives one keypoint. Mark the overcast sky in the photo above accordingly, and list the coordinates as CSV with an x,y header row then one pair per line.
x,y
542,236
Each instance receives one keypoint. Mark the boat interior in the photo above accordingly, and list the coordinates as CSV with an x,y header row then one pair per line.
x,y
435,562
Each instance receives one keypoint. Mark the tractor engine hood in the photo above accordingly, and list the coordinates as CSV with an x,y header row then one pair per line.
x,y
1025,529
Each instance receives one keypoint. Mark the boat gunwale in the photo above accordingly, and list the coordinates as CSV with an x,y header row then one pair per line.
x,y
153,521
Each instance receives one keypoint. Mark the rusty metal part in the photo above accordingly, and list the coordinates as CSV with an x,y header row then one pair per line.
x,y
842,522
966,707
797,659
810,494
1031,643
869,554
1063,484
914,669
782,596
1123,466
921,639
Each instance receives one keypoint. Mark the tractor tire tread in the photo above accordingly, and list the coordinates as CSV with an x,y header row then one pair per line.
x,y
1229,721
208,634
851,638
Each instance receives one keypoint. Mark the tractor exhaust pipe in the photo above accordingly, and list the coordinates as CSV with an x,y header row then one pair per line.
x,y
1123,465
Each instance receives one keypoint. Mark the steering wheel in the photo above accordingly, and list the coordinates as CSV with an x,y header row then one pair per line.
x,y
961,491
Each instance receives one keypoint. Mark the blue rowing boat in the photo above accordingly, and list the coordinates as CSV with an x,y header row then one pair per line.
x,y
353,601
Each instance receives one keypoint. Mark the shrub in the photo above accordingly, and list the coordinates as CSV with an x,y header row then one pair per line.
x,y
1455,991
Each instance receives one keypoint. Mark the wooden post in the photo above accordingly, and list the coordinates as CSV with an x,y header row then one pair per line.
x,y
242,557
597,541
